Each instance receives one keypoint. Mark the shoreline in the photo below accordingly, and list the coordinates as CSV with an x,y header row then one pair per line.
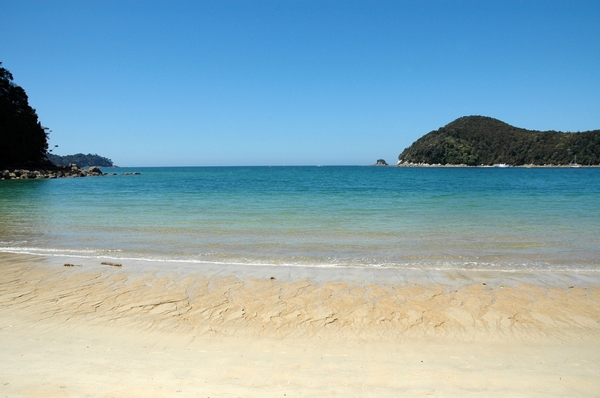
x,y
470,304
151,330
357,275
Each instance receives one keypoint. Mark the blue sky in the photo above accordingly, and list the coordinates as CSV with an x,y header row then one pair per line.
x,y
168,83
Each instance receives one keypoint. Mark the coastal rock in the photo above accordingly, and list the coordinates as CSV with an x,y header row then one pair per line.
x,y
94,170
50,172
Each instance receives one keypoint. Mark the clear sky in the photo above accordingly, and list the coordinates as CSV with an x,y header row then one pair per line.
x,y
286,82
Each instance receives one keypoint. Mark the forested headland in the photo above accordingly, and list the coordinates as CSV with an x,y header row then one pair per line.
x,y
485,141
24,141
81,160
22,137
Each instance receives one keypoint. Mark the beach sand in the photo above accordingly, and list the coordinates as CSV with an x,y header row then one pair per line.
x,y
189,330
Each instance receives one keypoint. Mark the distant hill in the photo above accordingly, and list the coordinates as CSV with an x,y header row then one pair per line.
x,y
480,140
80,160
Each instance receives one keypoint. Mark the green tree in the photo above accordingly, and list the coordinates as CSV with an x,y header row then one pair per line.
x,y
22,137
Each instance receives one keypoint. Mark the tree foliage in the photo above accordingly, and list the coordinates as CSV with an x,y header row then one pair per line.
x,y
22,137
479,140
80,160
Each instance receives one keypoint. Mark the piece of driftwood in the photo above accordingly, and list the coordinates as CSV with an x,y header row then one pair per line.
x,y
72,265
112,264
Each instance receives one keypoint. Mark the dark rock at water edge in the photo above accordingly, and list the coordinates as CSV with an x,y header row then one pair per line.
x,y
47,170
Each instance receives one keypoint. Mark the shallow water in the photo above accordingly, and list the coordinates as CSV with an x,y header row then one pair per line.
x,y
422,218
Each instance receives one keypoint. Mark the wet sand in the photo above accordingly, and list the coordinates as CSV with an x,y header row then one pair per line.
x,y
164,329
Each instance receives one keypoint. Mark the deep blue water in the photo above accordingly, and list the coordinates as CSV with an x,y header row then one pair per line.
x,y
441,218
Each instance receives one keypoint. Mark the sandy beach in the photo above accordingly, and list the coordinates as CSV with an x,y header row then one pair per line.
x,y
189,330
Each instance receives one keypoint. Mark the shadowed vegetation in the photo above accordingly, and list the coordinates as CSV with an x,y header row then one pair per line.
x,y
22,137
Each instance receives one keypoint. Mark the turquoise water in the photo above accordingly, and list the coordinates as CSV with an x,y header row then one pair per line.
x,y
433,218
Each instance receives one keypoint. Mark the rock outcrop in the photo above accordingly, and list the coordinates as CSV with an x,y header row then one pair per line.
x,y
49,172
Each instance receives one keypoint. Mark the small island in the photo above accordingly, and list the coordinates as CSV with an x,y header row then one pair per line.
x,y
485,141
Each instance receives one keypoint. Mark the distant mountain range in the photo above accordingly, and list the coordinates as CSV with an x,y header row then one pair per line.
x,y
80,160
480,140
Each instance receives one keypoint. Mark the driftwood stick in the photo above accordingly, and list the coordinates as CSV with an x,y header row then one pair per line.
x,y
112,264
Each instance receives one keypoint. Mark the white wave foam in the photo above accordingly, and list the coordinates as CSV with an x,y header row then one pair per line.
x,y
112,254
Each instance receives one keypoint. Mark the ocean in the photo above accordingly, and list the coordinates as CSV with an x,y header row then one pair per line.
x,y
331,216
